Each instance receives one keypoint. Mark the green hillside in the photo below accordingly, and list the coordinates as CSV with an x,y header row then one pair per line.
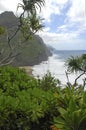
x,y
31,52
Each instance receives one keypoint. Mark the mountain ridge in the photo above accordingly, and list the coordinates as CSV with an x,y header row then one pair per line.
x,y
33,51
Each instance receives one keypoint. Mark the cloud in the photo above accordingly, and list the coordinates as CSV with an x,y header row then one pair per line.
x,y
46,29
56,38
9,5
64,40
52,7
2,7
69,33
77,10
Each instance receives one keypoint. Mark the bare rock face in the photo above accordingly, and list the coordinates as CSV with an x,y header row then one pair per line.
x,y
33,51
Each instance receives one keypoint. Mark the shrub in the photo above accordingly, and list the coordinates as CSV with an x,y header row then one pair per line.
x,y
14,79
23,104
48,82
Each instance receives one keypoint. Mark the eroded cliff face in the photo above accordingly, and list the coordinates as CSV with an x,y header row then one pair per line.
x,y
32,51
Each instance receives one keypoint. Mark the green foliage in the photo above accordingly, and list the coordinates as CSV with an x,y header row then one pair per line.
x,y
76,64
31,25
72,113
2,30
22,103
48,82
31,7
14,79
35,23
32,104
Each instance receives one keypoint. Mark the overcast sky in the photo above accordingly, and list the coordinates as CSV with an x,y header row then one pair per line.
x,y
65,22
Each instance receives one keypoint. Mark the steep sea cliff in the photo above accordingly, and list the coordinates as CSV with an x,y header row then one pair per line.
x,y
31,52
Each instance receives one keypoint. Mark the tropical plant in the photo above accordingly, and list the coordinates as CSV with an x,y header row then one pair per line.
x,y
77,64
72,115
30,7
48,82
71,118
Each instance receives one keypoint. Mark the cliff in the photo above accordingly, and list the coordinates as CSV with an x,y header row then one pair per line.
x,y
32,51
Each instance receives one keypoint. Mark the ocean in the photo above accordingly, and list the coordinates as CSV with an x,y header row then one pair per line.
x,y
56,66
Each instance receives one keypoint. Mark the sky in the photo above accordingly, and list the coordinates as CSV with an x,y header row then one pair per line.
x,y
64,21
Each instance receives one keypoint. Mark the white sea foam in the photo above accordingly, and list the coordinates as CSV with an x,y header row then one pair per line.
x,y
56,67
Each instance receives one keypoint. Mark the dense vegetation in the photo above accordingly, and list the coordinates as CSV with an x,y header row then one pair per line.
x,y
39,104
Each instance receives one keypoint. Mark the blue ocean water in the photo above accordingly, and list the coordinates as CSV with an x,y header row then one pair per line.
x,y
56,65
65,54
